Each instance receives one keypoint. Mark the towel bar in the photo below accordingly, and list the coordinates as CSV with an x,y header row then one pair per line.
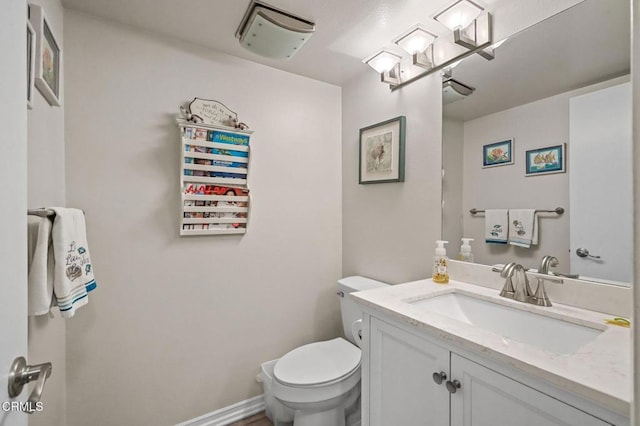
x,y
42,212
557,210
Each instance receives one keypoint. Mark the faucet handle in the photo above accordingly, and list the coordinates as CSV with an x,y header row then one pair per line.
x,y
553,261
540,297
508,289
546,277
506,270
566,275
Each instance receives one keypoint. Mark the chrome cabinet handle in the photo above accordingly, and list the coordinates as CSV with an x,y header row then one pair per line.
x,y
583,252
439,377
452,387
20,374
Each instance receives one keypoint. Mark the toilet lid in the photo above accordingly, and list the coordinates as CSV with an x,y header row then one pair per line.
x,y
317,363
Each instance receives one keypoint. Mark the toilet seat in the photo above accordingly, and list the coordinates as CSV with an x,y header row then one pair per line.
x,y
317,364
317,372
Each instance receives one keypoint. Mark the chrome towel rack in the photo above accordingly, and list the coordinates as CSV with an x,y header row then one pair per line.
x,y
557,210
41,212
44,212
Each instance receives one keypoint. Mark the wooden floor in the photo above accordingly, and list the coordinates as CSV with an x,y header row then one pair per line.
x,y
256,420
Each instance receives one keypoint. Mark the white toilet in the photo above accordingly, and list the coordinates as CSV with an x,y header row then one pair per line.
x,y
319,384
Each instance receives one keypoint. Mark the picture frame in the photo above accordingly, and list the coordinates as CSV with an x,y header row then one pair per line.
x,y
547,160
382,151
31,57
497,154
48,57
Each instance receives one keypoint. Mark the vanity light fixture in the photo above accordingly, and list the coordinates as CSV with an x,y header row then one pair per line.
x,y
466,20
383,61
387,64
489,52
272,32
459,15
471,33
416,40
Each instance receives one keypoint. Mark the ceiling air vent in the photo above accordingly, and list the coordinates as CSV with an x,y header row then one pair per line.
x,y
453,90
272,32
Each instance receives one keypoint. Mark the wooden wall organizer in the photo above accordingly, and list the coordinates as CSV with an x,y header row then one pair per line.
x,y
213,179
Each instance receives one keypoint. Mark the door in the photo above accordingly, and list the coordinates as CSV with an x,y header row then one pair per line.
x,y
487,398
13,207
402,391
601,199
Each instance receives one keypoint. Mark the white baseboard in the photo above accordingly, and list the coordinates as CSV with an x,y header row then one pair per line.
x,y
230,414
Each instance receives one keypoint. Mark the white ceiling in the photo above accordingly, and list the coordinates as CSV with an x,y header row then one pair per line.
x,y
347,31
565,52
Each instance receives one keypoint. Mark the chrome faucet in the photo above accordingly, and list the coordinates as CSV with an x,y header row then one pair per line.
x,y
540,297
546,262
522,291
551,262
518,292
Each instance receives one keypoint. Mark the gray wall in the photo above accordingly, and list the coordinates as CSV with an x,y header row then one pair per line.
x,y
389,229
46,187
178,326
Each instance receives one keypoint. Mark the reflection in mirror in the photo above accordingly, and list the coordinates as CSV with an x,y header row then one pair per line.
x,y
563,82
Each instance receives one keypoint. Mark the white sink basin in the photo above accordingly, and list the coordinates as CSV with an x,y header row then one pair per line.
x,y
551,334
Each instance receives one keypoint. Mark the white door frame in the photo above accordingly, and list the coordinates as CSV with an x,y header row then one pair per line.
x,y
13,196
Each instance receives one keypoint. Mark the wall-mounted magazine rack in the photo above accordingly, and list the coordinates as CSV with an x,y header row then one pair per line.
x,y
213,178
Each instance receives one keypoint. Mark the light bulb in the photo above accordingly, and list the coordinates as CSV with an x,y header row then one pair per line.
x,y
383,61
459,15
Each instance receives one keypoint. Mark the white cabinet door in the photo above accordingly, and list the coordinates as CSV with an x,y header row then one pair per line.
x,y
402,390
487,398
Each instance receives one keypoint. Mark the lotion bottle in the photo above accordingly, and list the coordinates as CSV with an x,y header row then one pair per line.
x,y
441,264
465,250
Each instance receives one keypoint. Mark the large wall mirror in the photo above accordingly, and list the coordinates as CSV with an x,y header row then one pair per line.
x,y
563,82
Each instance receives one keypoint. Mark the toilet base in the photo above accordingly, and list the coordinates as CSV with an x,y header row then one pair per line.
x,y
341,411
333,417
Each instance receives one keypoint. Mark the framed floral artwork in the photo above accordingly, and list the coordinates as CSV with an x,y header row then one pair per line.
x,y
48,56
382,151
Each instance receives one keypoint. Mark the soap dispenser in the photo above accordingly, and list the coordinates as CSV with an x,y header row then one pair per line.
x,y
465,250
441,264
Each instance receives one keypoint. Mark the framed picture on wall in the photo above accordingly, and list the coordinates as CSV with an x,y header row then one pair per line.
x,y
497,154
544,161
48,56
382,148
31,56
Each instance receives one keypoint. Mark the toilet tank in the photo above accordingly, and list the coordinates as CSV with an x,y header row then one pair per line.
x,y
351,311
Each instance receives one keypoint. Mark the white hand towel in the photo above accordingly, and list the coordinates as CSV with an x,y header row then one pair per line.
x,y
496,226
523,228
73,276
40,262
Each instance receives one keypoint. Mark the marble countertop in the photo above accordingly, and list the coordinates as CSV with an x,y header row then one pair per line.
x,y
599,371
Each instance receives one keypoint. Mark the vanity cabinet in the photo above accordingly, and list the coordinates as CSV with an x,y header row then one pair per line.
x,y
400,374
401,388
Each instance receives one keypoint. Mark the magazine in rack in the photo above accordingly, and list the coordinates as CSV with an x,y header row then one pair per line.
x,y
215,165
